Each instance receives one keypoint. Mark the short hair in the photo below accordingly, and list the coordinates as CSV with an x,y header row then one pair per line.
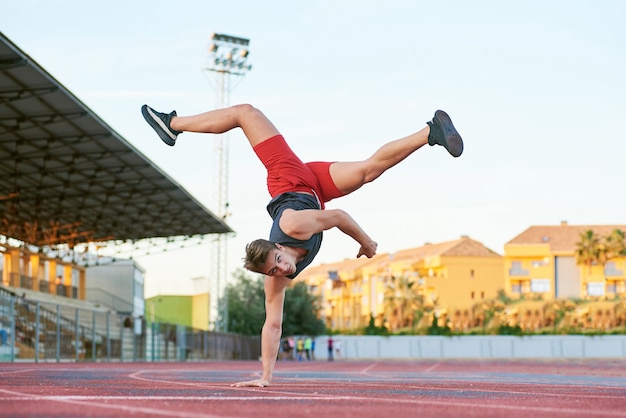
x,y
256,254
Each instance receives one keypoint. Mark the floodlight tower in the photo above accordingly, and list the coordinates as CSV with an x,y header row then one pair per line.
x,y
226,62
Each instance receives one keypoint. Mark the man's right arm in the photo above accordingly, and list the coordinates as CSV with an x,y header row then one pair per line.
x,y
302,224
350,227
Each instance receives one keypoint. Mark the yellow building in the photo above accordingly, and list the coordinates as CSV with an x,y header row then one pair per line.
x,y
21,268
343,289
188,310
541,261
451,275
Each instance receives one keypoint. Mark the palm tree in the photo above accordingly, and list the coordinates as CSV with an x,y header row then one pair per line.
x,y
402,301
488,313
588,249
612,246
620,314
557,311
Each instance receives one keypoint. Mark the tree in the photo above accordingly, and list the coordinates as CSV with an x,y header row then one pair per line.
x,y
301,312
620,315
246,307
246,304
402,302
600,249
592,249
372,329
612,246
489,314
557,312
588,249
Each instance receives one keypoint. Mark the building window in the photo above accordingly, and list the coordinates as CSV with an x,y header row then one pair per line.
x,y
517,270
472,273
482,295
472,295
595,289
540,285
611,270
516,288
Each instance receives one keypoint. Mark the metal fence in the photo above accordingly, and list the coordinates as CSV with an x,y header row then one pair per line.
x,y
40,331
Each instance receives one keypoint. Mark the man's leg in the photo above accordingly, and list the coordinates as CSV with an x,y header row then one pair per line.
x,y
349,176
255,125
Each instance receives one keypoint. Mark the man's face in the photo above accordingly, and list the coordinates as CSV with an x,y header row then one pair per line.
x,y
279,263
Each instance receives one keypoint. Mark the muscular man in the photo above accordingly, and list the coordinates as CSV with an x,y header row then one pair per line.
x,y
298,193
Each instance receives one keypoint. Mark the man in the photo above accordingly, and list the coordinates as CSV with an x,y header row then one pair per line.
x,y
299,191
308,345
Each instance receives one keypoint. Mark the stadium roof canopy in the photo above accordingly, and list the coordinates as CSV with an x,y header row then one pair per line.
x,y
67,178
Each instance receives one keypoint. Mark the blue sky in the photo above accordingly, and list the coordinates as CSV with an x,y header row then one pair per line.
x,y
536,88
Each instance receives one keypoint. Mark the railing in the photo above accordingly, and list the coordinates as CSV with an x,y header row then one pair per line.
x,y
44,286
40,331
118,304
26,282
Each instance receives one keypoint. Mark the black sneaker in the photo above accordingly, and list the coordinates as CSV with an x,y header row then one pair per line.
x,y
442,132
160,122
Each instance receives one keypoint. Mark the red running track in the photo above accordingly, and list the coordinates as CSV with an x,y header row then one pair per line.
x,y
364,389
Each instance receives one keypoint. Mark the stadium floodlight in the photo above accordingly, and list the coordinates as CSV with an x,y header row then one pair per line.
x,y
226,60
228,54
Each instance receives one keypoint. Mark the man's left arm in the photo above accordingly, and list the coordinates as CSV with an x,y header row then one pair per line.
x,y
272,328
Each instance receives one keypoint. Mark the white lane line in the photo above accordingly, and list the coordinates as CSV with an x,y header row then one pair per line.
x,y
81,400
448,403
322,386
168,382
368,368
431,368
160,398
222,386
17,371
406,385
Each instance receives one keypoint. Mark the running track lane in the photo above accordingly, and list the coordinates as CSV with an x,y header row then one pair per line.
x,y
574,388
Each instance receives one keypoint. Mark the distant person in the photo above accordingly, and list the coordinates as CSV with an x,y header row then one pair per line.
x,y
338,349
300,348
286,349
307,347
292,346
299,192
60,287
330,348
